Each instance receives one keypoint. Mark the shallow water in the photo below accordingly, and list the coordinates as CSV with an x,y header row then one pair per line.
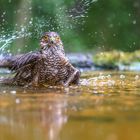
x,y
106,106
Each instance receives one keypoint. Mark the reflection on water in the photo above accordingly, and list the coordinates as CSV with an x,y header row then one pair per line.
x,y
106,106
34,117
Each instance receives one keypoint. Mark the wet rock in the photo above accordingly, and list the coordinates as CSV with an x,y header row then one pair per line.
x,y
135,66
3,71
81,61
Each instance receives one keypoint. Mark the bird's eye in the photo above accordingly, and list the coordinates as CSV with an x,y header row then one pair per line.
x,y
57,38
46,38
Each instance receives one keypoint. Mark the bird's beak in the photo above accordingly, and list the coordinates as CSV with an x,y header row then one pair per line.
x,y
52,40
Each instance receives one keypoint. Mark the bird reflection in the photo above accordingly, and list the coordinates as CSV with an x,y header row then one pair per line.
x,y
53,118
33,118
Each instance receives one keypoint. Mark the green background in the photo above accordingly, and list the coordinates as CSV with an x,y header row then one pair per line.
x,y
84,25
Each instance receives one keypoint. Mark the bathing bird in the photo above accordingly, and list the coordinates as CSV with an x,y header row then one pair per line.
x,y
47,66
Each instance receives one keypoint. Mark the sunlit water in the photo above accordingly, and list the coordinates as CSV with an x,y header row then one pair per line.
x,y
106,106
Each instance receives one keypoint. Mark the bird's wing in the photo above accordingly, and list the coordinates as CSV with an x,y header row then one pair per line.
x,y
25,59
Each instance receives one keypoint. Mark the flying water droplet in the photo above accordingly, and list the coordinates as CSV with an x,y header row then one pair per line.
x,y
122,76
137,77
134,22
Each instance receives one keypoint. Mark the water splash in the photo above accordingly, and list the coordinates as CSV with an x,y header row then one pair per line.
x,y
8,41
105,82
66,18
5,41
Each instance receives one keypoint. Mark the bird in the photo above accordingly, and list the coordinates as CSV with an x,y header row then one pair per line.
x,y
46,66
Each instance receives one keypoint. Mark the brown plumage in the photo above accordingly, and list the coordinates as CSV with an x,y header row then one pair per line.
x,y
49,65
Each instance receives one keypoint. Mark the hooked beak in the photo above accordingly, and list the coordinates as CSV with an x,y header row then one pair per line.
x,y
52,40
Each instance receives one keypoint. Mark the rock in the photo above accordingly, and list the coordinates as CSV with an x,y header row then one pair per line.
x,y
135,66
81,61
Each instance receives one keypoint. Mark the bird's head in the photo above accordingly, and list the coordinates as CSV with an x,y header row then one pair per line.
x,y
50,39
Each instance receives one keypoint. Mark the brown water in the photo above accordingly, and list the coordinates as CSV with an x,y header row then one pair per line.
x,y
105,107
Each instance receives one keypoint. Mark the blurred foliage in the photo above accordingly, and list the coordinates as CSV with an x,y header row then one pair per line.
x,y
115,58
83,25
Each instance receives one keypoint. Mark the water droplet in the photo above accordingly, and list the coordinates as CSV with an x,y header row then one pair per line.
x,y
129,14
137,77
114,35
30,22
17,101
122,76
108,76
95,92
30,8
4,91
111,26
13,92
134,22
4,13
111,83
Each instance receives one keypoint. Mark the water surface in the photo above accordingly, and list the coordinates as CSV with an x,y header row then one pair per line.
x,y
106,106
